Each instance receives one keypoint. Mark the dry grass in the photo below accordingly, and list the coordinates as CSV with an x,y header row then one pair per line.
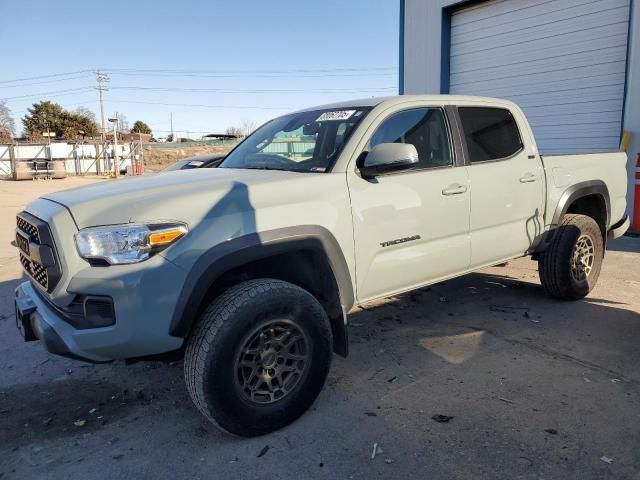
x,y
156,159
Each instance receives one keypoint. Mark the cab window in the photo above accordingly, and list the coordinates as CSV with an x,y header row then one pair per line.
x,y
490,133
424,128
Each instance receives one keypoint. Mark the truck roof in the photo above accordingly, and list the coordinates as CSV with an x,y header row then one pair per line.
x,y
394,99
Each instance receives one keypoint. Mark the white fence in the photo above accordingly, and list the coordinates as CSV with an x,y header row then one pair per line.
x,y
79,159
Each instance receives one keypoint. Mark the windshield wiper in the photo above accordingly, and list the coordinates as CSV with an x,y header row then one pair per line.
x,y
267,168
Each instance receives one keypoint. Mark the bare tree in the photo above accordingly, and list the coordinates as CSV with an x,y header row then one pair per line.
x,y
7,124
237,131
123,123
85,112
247,127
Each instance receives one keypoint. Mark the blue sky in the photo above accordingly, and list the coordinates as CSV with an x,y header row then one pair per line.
x,y
211,63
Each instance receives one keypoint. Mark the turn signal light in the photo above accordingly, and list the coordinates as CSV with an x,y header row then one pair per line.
x,y
164,237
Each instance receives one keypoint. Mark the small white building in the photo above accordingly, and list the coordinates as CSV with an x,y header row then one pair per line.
x,y
572,65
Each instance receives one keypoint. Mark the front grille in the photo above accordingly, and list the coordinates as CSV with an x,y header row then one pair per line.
x,y
28,228
39,273
32,231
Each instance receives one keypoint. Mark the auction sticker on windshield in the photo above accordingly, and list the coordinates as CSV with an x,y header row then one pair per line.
x,y
335,115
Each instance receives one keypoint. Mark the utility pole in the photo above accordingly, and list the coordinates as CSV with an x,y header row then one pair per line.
x,y
101,78
173,139
116,167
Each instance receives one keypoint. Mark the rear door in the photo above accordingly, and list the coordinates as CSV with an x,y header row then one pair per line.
x,y
410,227
506,184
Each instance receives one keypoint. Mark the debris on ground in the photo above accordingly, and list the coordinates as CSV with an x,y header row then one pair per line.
x,y
263,451
508,309
505,400
615,380
606,459
393,379
80,423
374,451
93,410
442,418
388,461
551,431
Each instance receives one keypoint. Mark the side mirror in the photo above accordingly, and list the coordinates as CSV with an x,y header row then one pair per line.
x,y
387,158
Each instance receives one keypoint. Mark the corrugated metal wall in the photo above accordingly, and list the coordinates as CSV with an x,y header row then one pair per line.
x,y
563,62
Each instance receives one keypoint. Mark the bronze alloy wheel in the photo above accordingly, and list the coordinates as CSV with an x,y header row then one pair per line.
x,y
271,361
582,258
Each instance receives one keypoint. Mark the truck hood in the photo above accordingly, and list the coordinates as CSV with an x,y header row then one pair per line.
x,y
186,196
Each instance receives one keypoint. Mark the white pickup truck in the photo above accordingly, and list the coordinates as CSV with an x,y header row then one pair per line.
x,y
250,269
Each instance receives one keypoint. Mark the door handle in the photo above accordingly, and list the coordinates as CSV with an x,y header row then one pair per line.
x,y
455,189
528,178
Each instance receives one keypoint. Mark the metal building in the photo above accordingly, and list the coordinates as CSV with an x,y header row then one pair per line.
x,y
572,65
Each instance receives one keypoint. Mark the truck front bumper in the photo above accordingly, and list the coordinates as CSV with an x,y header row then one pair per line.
x,y
36,320
141,326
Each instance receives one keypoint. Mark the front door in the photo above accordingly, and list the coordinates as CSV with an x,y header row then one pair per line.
x,y
411,227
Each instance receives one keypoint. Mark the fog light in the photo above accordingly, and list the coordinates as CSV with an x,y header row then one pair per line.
x,y
99,312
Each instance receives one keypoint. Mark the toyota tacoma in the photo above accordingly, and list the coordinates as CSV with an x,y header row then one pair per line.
x,y
249,270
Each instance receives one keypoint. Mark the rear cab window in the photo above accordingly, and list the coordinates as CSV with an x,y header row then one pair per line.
x,y
490,133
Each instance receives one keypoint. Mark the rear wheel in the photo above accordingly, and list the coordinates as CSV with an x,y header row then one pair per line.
x,y
569,268
258,357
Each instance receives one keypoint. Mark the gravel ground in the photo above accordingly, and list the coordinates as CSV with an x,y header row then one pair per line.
x,y
536,388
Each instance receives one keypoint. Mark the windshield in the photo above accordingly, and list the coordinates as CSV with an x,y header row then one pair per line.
x,y
300,142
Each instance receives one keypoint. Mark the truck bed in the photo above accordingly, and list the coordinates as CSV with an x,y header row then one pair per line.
x,y
564,171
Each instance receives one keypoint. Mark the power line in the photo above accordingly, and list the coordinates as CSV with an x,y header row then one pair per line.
x,y
44,76
253,71
243,107
197,72
190,105
19,85
54,93
251,75
276,90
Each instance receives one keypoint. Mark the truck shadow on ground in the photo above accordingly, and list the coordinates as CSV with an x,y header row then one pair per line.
x,y
449,320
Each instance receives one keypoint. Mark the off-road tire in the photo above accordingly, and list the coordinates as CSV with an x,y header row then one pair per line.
x,y
211,365
556,265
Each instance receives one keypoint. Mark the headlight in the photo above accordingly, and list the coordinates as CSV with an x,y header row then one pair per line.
x,y
123,244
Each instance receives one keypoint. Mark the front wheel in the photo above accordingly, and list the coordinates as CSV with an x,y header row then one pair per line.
x,y
569,268
258,357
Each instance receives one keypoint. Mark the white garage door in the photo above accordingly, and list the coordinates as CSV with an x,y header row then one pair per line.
x,y
562,61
